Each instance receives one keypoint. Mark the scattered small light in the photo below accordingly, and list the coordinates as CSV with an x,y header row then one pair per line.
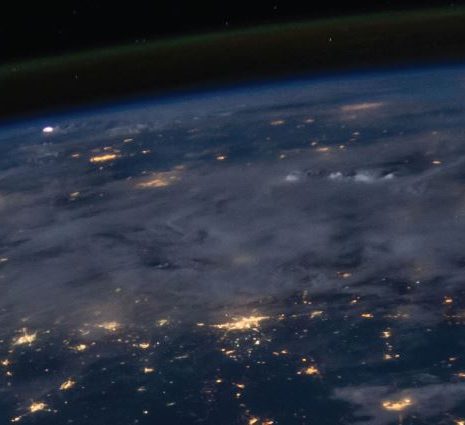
x,y
103,158
221,157
68,384
79,347
109,326
367,315
148,370
37,407
243,323
310,371
74,195
397,405
160,179
277,122
361,106
25,338
386,334
47,130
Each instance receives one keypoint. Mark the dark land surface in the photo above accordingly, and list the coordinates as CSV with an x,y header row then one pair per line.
x,y
286,254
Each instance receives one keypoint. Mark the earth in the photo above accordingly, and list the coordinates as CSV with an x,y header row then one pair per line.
x,y
281,253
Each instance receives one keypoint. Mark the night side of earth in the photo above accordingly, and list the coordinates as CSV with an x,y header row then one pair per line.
x,y
288,254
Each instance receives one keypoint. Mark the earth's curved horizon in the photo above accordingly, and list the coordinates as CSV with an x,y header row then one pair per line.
x,y
277,254
288,49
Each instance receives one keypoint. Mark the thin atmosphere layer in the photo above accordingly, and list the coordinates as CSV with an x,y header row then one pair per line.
x,y
292,49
